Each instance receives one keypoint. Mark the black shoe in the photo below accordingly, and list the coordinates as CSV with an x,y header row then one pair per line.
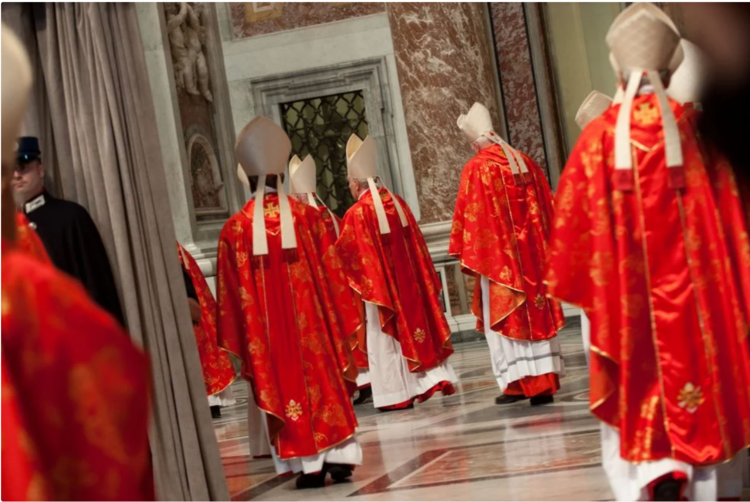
x,y
540,400
365,393
508,399
305,481
339,472
215,411
668,490
387,409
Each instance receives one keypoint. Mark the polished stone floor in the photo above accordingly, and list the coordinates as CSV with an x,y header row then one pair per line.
x,y
463,447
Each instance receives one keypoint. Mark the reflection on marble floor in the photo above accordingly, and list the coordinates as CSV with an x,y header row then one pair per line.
x,y
462,447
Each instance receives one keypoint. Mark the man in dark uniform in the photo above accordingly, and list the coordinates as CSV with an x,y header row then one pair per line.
x,y
66,229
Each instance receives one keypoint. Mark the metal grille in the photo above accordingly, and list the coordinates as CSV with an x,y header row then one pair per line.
x,y
321,127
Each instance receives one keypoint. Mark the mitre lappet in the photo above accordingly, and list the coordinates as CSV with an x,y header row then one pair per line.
x,y
362,163
593,106
476,125
262,149
644,41
303,181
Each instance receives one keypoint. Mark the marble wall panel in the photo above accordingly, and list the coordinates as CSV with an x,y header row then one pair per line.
x,y
517,80
443,58
260,18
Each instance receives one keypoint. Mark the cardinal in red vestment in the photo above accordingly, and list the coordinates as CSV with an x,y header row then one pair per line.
x,y
592,107
75,391
388,265
651,241
277,313
303,185
218,372
499,234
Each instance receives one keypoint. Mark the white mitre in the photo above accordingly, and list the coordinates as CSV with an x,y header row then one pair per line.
x,y
303,177
262,149
674,63
643,40
592,107
687,81
476,125
16,82
362,163
303,180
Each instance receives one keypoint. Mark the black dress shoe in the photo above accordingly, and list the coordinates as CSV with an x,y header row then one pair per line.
x,y
386,409
339,472
540,400
509,399
668,490
215,411
365,393
305,481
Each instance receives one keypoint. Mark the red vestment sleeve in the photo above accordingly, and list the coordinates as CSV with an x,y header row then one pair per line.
x,y
89,416
218,372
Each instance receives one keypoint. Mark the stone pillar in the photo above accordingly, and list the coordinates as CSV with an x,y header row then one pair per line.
x,y
444,63
517,80
193,123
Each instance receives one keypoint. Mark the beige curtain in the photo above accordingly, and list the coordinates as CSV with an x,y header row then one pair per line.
x,y
108,159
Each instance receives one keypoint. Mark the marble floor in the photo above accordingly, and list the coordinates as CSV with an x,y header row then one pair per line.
x,y
462,447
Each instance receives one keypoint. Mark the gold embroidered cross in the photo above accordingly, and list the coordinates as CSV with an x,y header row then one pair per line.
x,y
293,410
646,114
690,397
271,210
420,335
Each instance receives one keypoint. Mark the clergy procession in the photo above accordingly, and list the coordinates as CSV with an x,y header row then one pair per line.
x,y
328,321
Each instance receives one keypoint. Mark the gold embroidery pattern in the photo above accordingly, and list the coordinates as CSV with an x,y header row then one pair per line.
x,y
293,410
271,210
646,114
241,258
506,274
420,335
690,397
539,301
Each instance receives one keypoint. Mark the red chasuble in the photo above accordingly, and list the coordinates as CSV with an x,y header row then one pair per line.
x,y
348,301
500,231
278,314
395,272
218,372
75,392
664,276
28,241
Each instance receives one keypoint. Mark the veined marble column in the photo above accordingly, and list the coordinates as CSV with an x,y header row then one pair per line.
x,y
443,57
517,80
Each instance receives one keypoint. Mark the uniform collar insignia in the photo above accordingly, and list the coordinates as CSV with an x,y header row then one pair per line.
x,y
34,204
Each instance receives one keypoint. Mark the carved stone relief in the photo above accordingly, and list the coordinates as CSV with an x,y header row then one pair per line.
x,y
187,40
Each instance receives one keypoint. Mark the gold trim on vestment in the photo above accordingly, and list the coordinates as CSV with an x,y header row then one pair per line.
x,y
701,321
525,297
593,407
643,147
227,385
602,353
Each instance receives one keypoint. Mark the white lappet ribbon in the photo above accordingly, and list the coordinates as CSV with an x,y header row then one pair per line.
x,y
312,199
383,224
288,236
517,164
672,145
